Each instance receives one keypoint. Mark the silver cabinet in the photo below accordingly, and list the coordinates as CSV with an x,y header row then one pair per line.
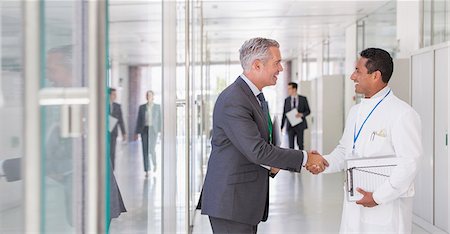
x,y
327,111
429,96
422,89
441,175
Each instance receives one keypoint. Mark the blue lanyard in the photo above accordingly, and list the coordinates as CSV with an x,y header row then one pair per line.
x,y
355,137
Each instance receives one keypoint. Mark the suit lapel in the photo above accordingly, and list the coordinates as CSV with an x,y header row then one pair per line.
x,y
255,103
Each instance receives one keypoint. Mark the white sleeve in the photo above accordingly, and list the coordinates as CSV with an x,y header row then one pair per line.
x,y
336,158
407,142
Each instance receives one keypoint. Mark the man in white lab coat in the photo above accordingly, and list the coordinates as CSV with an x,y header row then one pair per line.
x,y
380,125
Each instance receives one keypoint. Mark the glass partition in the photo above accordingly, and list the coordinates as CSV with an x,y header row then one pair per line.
x,y
12,114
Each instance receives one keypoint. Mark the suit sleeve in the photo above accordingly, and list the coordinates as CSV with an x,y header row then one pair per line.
x,y
159,118
121,123
139,121
283,120
241,129
407,141
307,111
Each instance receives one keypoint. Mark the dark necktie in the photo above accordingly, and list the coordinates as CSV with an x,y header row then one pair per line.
x,y
293,103
265,109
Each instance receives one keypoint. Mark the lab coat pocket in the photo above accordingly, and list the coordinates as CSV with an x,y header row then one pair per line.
x,y
379,215
377,146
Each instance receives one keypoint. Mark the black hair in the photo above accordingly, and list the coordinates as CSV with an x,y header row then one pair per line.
x,y
293,85
379,60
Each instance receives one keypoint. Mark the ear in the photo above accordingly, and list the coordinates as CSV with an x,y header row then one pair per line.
x,y
377,76
257,64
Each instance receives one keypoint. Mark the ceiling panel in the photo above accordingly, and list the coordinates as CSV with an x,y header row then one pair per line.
x,y
297,25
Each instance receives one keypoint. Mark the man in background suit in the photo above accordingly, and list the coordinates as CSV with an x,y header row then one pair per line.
x,y
236,188
148,125
116,112
300,103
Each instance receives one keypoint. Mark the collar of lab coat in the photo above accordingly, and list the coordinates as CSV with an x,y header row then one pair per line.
x,y
377,96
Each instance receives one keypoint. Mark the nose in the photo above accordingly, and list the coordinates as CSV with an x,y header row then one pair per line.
x,y
353,76
280,68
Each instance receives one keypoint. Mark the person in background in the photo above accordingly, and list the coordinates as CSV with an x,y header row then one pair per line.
x,y
299,102
148,126
116,112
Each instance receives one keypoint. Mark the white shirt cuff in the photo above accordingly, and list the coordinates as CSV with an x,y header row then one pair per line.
x,y
267,167
305,157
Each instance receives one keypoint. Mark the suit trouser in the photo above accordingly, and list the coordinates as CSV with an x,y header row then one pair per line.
x,y
148,136
219,225
292,132
112,150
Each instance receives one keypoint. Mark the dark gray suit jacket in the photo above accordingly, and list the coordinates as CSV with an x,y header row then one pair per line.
x,y
302,107
116,112
156,117
236,186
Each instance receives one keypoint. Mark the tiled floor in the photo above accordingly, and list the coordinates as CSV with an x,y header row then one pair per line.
x,y
299,203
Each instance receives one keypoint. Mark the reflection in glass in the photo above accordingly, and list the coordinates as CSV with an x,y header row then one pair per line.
x,y
12,117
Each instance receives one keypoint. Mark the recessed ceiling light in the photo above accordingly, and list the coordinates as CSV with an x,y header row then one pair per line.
x,y
214,6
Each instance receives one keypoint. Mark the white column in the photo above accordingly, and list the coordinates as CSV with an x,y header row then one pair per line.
x,y
350,59
169,133
408,27
31,162
300,68
97,171
320,60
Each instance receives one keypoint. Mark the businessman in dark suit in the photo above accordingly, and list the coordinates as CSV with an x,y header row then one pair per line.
x,y
236,188
300,103
148,125
116,112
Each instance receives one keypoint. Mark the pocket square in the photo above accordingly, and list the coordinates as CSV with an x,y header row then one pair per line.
x,y
381,133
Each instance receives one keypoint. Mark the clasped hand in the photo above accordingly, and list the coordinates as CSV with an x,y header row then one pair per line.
x,y
316,163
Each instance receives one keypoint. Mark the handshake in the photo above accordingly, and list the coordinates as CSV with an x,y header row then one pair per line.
x,y
316,163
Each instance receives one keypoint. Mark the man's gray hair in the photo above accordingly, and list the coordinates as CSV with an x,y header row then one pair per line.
x,y
255,48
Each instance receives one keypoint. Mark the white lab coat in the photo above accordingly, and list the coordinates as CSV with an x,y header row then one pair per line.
x,y
398,132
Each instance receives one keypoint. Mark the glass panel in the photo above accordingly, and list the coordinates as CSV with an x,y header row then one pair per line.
x,y
181,115
380,29
63,149
12,116
439,22
135,53
427,22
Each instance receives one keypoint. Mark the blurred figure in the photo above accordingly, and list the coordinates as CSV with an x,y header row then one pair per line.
x,y
299,102
116,112
148,125
59,151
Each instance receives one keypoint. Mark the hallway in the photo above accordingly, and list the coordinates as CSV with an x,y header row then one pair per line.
x,y
299,203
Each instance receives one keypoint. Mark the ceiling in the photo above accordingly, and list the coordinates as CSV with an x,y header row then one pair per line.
x,y
136,27
299,26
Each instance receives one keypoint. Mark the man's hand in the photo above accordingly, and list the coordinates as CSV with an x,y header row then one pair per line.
x,y
136,137
274,170
367,200
299,115
316,163
124,137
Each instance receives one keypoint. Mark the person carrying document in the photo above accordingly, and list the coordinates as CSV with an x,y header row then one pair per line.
x,y
380,125
295,110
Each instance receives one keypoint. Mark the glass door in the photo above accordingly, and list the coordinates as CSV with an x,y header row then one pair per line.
x,y
64,165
